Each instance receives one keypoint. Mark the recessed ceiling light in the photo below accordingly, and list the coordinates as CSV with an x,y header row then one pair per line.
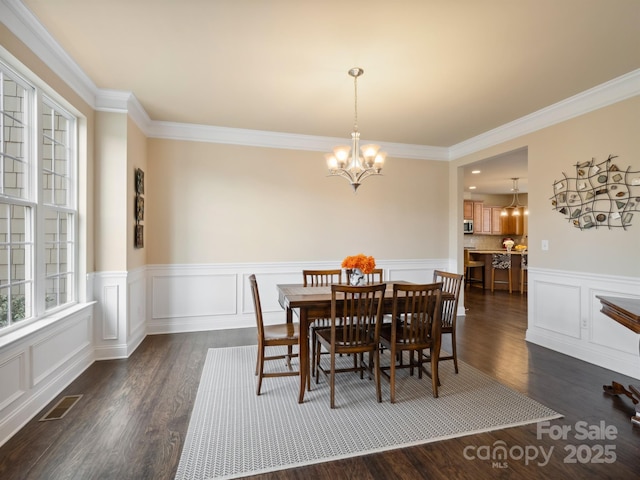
x,y
472,187
475,172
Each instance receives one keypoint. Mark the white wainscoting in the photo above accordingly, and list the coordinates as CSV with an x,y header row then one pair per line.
x,y
120,314
564,315
39,362
187,298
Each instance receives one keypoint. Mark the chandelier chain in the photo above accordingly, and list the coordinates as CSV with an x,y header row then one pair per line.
x,y
355,104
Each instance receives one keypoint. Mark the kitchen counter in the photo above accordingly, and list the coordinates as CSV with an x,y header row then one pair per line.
x,y
501,276
513,252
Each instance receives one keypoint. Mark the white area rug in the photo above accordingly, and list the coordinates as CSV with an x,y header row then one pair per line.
x,y
235,433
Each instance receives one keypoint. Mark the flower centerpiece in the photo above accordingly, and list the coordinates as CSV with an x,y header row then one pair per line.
x,y
357,267
508,244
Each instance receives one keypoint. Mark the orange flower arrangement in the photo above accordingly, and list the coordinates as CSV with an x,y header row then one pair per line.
x,y
361,261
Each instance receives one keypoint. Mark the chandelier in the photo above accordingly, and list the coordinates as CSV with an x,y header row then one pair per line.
x,y
514,207
346,161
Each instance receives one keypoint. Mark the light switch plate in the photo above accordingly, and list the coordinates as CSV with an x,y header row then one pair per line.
x,y
545,245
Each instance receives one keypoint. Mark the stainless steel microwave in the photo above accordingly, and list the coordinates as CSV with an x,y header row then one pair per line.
x,y
468,226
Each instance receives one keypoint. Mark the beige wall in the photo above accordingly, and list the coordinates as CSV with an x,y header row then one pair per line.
x,y
557,149
111,199
211,203
136,158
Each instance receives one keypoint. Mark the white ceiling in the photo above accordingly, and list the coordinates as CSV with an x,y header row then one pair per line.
x,y
436,72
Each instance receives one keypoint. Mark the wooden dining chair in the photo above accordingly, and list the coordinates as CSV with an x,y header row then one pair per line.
x,y
375,276
355,330
283,334
452,284
319,278
415,327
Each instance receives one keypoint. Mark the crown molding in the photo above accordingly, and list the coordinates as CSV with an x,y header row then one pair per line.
x,y
25,26
608,93
260,138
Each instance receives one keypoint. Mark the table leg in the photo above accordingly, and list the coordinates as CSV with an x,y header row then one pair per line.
x,y
303,352
633,393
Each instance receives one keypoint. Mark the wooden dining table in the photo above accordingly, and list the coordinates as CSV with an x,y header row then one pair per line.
x,y
314,303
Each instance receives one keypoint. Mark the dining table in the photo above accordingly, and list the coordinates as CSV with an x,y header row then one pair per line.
x,y
313,303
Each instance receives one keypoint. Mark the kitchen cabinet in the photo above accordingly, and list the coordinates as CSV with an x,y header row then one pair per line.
x,y
468,210
477,216
514,224
496,221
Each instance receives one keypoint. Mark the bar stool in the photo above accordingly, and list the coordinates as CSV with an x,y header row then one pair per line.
x,y
500,261
469,265
523,271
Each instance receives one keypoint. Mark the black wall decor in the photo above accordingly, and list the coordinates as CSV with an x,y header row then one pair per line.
x,y
138,209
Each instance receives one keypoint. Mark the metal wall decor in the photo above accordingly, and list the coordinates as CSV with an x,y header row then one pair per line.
x,y
138,209
599,195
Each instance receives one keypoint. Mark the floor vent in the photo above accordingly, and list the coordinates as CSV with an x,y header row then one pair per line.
x,y
61,408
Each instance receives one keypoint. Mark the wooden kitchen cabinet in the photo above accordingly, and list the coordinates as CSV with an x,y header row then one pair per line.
x,y
468,210
477,216
514,224
496,221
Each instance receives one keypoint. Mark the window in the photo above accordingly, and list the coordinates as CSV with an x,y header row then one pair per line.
x,y
37,203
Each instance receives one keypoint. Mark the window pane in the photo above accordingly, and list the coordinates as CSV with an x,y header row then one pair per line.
x,y
14,139
4,265
58,252
20,304
56,154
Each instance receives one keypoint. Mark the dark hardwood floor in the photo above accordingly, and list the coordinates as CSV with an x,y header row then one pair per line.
x,y
132,419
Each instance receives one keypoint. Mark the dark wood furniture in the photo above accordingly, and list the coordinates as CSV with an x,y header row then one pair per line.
x,y
270,336
313,303
451,284
625,311
415,327
320,278
356,314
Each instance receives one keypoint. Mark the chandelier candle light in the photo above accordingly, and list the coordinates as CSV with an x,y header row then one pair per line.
x,y
346,161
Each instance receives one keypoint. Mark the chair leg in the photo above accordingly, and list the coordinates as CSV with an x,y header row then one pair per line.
x,y
493,278
454,352
332,380
260,368
434,376
376,362
392,376
510,289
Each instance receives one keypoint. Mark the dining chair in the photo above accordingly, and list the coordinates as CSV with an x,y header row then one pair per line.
x,y
469,266
355,330
279,335
524,270
415,327
451,283
375,276
500,261
320,278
